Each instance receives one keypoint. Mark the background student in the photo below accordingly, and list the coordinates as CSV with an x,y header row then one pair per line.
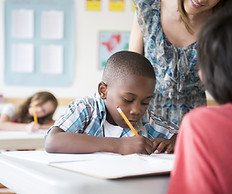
x,y
165,32
22,118
93,124
202,153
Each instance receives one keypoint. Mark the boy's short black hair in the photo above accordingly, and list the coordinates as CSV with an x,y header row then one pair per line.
x,y
215,56
124,63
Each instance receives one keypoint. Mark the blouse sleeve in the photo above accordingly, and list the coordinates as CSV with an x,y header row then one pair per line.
x,y
9,110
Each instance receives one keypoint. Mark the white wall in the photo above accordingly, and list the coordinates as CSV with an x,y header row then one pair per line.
x,y
86,72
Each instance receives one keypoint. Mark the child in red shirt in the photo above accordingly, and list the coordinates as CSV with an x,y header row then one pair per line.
x,y
203,163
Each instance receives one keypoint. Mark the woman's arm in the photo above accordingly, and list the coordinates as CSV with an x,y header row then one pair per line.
x,y
59,141
136,37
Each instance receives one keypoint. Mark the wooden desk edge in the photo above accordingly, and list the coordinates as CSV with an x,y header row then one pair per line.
x,y
61,101
66,101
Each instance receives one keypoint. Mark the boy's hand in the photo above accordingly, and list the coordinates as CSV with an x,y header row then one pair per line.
x,y
164,145
135,144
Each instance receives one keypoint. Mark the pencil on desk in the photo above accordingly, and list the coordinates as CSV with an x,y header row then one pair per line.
x,y
34,113
127,121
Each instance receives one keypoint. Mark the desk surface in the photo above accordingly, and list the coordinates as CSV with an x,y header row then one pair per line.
x,y
28,177
11,140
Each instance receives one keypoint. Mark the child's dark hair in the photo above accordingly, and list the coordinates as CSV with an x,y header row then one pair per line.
x,y
42,97
124,63
215,56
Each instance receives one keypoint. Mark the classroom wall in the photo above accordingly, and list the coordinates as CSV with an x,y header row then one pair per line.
x,y
86,72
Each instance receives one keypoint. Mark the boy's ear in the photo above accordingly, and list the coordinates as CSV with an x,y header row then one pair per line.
x,y
200,74
102,90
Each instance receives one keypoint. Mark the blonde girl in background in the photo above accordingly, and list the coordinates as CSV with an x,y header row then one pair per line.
x,y
21,118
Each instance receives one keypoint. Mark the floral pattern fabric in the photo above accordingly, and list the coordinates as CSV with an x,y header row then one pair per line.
x,y
178,86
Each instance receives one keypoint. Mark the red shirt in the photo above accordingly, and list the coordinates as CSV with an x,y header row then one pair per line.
x,y
203,158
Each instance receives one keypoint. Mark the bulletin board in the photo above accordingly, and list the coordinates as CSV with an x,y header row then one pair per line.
x,y
39,42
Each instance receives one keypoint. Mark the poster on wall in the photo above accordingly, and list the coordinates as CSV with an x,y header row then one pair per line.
x,y
93,5
116,5
22,23
22,58
111,42
52,24
133,6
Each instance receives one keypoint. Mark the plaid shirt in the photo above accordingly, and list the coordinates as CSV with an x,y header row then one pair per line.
x,y
87,116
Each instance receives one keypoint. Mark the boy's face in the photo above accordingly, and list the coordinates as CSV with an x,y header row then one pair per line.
x,y
131,94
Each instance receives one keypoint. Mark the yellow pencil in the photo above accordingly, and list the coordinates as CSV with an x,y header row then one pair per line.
x,y
127,121
34,112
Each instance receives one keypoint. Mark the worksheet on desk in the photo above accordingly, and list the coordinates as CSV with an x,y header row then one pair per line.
x,y
22,134
102,164
42,156
122,166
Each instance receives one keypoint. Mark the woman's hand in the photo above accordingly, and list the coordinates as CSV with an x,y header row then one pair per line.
x,y
164,145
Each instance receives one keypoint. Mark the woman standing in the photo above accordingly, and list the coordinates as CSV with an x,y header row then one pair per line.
x,y
165,31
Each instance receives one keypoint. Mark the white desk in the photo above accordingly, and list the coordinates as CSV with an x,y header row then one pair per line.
x,y
11,140
28,177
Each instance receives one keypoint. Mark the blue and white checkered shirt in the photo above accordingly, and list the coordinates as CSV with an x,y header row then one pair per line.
x,y
87,116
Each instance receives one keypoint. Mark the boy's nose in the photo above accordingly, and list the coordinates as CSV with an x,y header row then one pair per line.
x,y
135,110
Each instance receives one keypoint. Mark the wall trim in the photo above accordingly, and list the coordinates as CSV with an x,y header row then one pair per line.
x,y
66,101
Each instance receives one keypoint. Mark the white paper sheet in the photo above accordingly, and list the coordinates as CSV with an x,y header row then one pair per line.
x,y
23,23
22,134
102,164
122,166
22,58
52,26
48,158
52,59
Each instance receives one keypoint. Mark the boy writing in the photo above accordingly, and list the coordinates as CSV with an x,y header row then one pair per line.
x,y
93,124
203,160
